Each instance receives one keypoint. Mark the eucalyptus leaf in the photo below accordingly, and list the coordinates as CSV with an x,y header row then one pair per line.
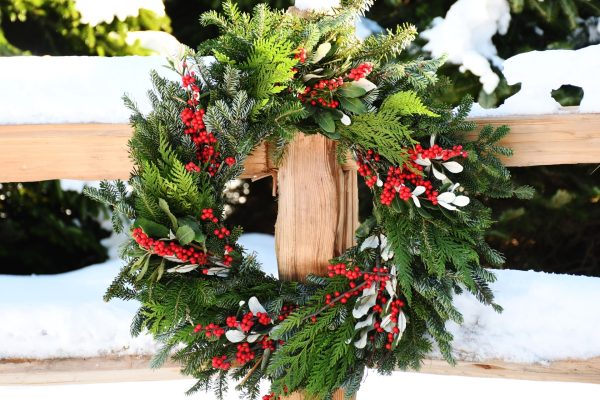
x,y
144,269
353,105
362,340
321,52
151,228
351,90
325,121
182,269
162,203
254,337
235,335
185,234
255,306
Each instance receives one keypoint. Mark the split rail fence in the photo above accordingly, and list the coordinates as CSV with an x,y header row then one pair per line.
x,y
318,214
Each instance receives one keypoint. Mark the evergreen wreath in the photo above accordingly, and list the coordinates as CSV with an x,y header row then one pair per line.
x,y
385,301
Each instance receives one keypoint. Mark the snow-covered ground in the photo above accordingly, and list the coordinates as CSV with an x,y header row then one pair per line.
x,y
547,316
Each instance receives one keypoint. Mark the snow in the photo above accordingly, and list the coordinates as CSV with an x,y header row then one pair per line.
x,y
405,384
365,27
540,72
316,5
160,43
74,89
95,12
546,316
465,37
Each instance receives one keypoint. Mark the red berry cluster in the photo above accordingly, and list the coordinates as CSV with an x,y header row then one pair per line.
x,y
300,55
221,233
396,181
322,93
193,120
220,362
395,306
244,354
211,330
231,322
169,249
214,330
270,396
267,343
188,79
286,311
208,214
192,167
230,161
437,152
361,71
378,274
247,322
363,167
263,318
398,178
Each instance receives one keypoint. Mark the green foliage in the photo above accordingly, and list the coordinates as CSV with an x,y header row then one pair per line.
x,y
45,230
54,27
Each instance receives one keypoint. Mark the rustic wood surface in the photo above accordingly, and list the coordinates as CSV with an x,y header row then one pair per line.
x,y
135,368
99,151
317,213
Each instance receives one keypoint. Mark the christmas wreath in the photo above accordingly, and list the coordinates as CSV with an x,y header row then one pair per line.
x,y
384,301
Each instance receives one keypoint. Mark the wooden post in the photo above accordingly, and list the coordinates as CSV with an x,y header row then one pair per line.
x,y
318,210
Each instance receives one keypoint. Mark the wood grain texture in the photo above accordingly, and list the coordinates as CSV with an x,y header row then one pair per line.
x,y
99,151
318,207
565,138
135,368
317,213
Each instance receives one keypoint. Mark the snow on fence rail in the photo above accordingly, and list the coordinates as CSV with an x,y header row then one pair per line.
x,y
62,95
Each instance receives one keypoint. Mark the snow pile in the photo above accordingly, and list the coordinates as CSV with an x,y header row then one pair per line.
x,y
94,12
74,89
465,36
54,316
546,316
160,43
540,72
317,5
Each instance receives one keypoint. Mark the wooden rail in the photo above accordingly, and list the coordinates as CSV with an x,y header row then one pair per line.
x,y
99,151
135,368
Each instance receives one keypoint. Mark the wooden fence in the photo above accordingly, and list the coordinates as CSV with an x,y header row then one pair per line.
x,y
318,213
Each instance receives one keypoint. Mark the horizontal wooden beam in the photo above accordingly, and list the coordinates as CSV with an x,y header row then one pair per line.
x,y
99,151
135,368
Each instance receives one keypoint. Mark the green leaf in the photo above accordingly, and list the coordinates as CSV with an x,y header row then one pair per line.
x,y
325,121
185,234
199,236
151,228
144,269
423,213
353,105
162,203
351,90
